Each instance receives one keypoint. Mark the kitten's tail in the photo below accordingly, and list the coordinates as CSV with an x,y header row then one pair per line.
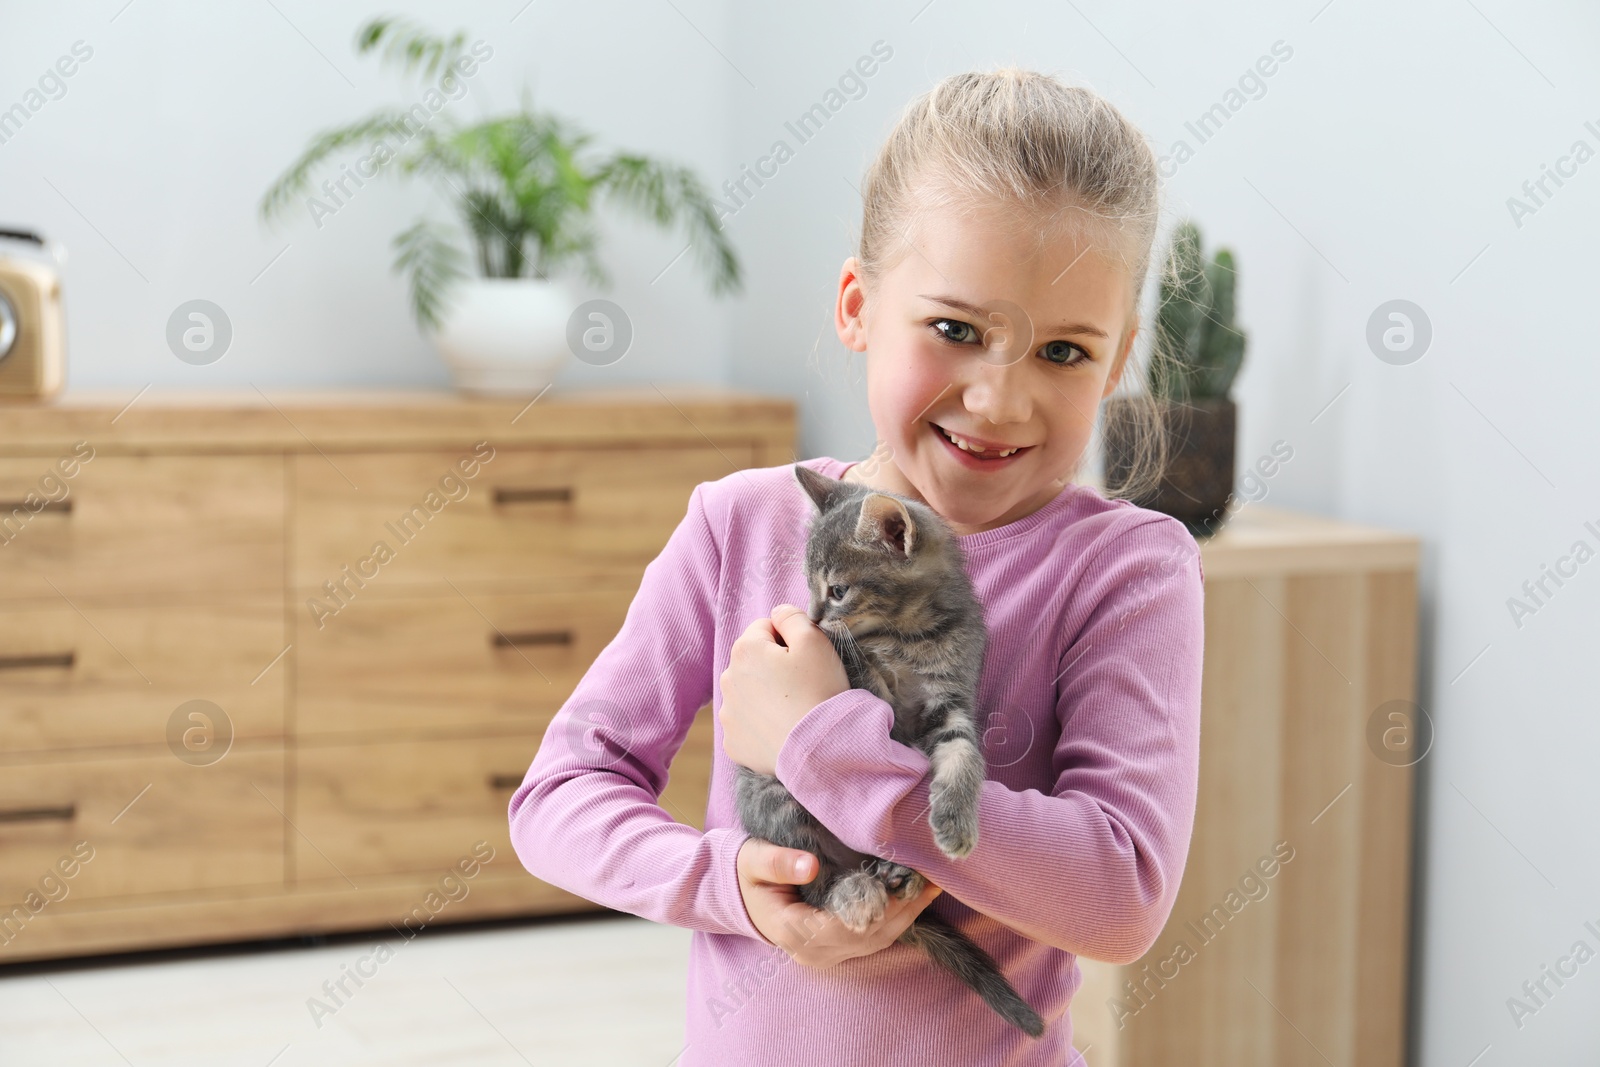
x,y
961,956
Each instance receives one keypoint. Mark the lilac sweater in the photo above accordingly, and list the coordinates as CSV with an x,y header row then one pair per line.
x,y
1090,706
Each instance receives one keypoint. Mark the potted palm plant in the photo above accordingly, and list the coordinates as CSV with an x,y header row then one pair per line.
x,y
523,186
1188,379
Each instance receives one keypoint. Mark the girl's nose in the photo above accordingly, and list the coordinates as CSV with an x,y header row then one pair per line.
x,y
997,394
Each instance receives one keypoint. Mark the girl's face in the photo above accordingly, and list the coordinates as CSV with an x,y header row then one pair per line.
x,y
986,332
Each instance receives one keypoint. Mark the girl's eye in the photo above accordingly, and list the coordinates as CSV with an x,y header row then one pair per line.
x,y
836,592
960,339
1060,353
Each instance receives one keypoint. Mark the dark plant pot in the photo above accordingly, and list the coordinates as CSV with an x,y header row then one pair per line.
x,y
1197,481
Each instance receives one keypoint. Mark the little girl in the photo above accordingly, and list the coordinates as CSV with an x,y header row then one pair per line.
x,y
1006,234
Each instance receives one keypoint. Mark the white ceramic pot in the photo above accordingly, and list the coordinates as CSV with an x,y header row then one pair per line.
x,y
505,336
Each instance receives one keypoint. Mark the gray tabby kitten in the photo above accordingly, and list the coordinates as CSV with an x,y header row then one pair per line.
x,y
889,587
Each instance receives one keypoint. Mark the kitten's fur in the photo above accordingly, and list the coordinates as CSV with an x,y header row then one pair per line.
x,y
909,629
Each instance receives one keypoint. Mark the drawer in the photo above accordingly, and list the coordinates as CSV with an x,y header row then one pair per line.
x,y
167,526
524,514
398,807
388,663
155,824
115,674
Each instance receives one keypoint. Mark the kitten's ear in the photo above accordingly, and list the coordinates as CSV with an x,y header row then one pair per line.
x,y
819,487
887,522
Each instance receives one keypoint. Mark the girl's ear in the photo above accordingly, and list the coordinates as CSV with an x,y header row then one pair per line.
x,y
819,487
1121,362
886,522
849,311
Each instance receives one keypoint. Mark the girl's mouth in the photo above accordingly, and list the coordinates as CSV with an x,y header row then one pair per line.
x,y
977,459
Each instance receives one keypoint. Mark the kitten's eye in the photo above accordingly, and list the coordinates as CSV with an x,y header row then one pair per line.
x,y
836,592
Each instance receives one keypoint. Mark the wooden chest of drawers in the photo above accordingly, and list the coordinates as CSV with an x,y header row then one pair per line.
x,y
273,666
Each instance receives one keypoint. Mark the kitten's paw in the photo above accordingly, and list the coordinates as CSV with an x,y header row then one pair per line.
x,y
902,882
954,831
858,899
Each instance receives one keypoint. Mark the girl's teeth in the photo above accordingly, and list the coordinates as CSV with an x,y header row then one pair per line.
x,y
962,443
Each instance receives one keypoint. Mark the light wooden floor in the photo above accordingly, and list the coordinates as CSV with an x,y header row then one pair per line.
x,y
601,991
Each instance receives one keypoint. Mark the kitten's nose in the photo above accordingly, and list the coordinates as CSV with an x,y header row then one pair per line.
x,y
817,611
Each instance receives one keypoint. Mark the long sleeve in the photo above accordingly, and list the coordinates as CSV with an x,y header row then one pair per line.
x,y
1092,867
585,817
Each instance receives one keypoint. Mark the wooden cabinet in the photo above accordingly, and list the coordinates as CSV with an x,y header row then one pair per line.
x,y
272,667
526,517
157,526
377,808
478,659
153,826
1288,943
109,672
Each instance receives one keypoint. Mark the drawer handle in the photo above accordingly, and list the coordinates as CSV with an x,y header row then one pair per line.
x,y
517,639
559,494
64,814
62,506
64,660
505,781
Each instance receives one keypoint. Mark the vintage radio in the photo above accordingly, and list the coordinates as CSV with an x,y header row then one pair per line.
x,y
32,327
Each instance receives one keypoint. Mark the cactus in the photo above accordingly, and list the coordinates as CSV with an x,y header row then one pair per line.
x,y
1195,323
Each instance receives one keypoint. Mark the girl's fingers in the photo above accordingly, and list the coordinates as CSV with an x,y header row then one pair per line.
x,y
767,862
844,943
759,630
803,864
897,922
813,936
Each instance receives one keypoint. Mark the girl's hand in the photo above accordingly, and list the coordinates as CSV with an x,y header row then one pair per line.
x,y
768,687
768,874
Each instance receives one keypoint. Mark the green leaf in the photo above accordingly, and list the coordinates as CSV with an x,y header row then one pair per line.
x,y
666,194
432,262
410,45
380,127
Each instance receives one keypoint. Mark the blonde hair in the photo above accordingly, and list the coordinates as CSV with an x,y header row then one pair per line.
x,y
1026,139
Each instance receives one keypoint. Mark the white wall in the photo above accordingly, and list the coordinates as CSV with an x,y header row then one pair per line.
x,y
151,166
1376,166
